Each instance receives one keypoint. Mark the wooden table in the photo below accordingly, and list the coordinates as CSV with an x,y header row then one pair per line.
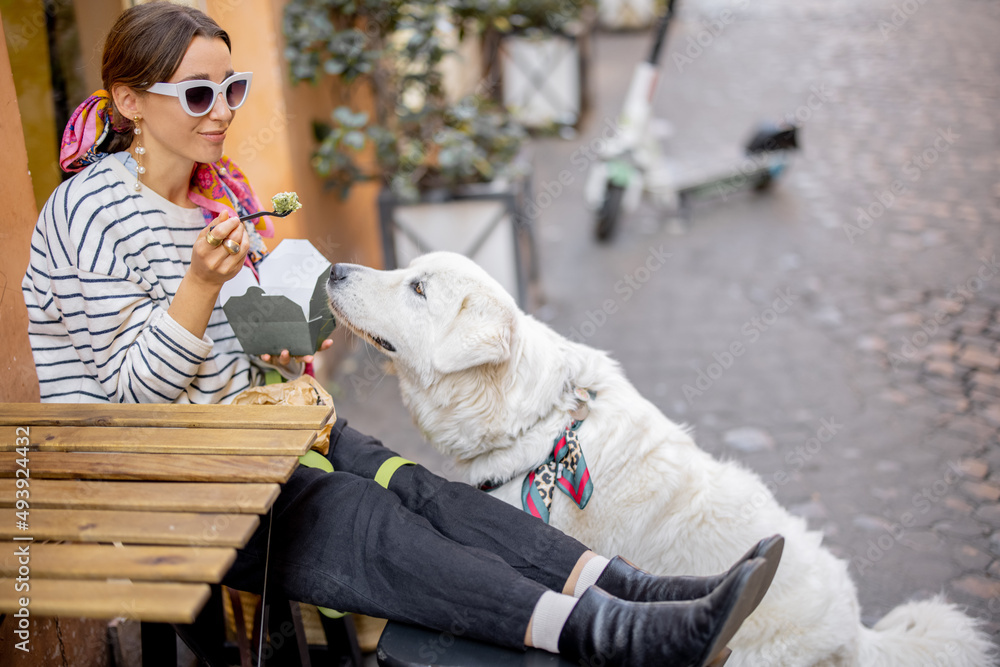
x,y
133,510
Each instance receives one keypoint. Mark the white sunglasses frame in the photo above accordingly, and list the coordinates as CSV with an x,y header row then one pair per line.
x,y
178,89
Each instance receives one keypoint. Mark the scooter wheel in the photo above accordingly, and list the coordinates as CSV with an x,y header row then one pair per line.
x,y
764,182
607,216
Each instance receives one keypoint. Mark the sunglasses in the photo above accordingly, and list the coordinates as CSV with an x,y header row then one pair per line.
x,y
198,97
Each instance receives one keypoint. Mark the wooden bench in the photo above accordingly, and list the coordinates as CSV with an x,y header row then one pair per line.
x,y
134,511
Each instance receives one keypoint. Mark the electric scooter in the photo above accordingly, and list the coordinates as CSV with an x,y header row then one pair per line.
x,y
632,163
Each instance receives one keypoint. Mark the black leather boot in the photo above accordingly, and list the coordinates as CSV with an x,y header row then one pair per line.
x,y
625,581
606,630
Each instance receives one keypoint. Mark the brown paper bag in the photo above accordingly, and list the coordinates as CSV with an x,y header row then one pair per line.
x,y
304,390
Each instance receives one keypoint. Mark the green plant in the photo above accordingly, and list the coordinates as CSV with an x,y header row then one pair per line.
x,y
414,138
523,16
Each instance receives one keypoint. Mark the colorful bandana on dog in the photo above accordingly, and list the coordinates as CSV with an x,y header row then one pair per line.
x,y
566,470
216,187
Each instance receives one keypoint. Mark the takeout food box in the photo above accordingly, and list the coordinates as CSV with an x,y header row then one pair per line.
x,y
288,309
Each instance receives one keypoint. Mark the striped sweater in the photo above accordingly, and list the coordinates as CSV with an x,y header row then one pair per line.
x,y
105,263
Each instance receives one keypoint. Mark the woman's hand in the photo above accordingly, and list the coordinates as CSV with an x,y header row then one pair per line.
x,y
283,358
211,266
214,265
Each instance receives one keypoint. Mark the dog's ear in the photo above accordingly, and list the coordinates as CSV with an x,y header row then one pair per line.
x,y
480,334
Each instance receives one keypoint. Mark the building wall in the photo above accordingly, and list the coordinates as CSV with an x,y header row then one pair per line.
x,y
19,383
272,137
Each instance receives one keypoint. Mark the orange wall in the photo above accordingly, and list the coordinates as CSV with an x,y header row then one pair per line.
x,y
272,138
19,383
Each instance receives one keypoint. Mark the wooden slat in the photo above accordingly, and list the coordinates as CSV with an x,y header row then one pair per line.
x,y
191,440
161,603
144,496
202,416
105,561
227,530
167,467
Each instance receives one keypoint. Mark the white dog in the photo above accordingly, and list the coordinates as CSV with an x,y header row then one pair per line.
x,y
493,388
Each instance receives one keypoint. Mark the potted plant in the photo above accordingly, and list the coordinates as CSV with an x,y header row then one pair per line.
x,y
538,51
450,170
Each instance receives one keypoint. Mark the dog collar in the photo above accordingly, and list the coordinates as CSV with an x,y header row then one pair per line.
x,y
565,469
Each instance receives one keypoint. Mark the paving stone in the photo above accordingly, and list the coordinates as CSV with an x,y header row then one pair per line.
x,y
964,527
973,429
933,237
984,588
983,398
810,510
884,494
872,524
947,306
943,368
894,396
982,491
959,505
989,514
988,382
748,439
953,404
992,414
972,327
904,242
978,313
995,543
870,343
971,558
923,541
911,223
975,468
980,340
943,349
886,304
907,320
979,358
944,386
911,297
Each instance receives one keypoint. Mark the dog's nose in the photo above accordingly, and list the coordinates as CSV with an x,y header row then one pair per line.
x,y
340,272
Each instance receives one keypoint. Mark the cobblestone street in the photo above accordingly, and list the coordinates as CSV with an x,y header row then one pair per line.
x,y
864,290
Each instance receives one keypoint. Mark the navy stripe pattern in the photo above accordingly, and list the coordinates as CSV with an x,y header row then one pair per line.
x,y
105,264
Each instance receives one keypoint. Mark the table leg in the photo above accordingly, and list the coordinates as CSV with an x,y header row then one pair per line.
x,y
159,645
206,636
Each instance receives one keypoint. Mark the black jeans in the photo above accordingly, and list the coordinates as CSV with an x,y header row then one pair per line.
x,y
426,551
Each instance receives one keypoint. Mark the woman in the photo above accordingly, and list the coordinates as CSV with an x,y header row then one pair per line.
x,y
127,261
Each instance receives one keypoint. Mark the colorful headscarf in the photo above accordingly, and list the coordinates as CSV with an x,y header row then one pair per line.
x,y
216,187
87,128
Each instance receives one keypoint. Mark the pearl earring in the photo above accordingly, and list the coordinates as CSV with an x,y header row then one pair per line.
x,y
139,152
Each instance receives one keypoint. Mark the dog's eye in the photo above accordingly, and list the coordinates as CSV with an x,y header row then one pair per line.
x,y
418,287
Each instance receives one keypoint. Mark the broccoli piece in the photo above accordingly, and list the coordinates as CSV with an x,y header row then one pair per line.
x,y
286,202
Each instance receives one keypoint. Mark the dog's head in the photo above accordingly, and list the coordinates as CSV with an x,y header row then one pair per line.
x,y
442,314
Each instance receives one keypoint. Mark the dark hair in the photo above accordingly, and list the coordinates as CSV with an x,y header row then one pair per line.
x,y
146,45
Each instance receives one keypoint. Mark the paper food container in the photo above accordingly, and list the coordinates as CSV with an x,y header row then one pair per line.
x,y
288,309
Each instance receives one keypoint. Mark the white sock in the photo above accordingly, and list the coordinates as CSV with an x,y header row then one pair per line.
x,y
548,619
590,574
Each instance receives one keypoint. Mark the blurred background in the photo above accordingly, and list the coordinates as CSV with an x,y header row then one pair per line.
x,y
862,286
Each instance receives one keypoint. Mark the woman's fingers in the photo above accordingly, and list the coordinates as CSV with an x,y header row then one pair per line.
x,y
285,356
224,227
